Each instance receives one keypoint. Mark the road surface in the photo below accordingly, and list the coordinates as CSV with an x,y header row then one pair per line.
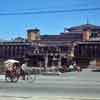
x,y
72,84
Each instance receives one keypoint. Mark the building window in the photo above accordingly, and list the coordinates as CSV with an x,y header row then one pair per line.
x,y
93,35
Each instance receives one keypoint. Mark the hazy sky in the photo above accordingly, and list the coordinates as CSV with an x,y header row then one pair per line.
x,y
12,26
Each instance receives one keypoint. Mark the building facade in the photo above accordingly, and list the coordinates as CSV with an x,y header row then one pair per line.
x,y
54,50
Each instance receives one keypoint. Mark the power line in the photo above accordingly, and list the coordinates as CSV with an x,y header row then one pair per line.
x,y
49,11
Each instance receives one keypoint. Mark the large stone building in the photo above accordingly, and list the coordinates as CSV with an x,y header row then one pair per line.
x,y
49,50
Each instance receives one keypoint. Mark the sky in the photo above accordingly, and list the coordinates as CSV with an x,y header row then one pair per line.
x,y
12,26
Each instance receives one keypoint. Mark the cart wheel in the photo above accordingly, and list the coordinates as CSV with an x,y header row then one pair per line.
x,y
8,79
11,78
14,79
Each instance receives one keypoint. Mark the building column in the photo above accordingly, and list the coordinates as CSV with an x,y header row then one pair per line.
x,y
59,62
46,62
97,64
40,65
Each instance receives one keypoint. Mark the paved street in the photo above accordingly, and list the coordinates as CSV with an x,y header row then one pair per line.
x,y
72,84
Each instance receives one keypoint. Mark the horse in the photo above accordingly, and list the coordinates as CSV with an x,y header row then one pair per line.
x,y
25,71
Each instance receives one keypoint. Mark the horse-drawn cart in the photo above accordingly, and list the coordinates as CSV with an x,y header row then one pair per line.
x,y
11,70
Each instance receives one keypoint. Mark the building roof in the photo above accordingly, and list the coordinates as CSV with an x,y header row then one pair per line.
x,y
84,26
48,37
33,30
62,37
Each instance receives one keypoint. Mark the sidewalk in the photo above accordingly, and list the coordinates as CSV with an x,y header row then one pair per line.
x,y
48,98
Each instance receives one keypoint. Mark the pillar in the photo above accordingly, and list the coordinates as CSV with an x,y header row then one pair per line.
x,y
46,62
59,62
98,64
